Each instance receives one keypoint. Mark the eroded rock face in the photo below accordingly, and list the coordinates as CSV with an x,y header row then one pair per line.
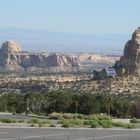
x,y
8,60
11,58
131,57
10,46
136,35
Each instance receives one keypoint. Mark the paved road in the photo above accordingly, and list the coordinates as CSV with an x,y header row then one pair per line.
x,y
67,134
19,117
10,115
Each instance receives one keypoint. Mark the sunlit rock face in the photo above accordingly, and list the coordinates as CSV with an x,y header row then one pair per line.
x,y
8,58
11,58
10,46
131,57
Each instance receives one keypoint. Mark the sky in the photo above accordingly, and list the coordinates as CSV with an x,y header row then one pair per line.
x,y
76,16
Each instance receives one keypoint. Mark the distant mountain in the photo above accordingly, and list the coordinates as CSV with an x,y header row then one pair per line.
x,y
47,41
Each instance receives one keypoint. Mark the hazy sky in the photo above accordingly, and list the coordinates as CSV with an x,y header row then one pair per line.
x,y
81,16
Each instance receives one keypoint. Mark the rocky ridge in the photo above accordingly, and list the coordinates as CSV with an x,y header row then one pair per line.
x,y
130,60
11,58
98,58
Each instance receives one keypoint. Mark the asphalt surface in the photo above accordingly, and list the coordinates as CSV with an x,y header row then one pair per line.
x,y
10,115
20,117
61,133
67,134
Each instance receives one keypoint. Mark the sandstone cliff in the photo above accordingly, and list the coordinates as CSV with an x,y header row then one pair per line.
x,y
98,58
10,46
11,58
130,60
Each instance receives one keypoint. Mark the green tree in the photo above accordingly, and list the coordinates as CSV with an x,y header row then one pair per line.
x,y
15,103
34,101
88,104
59,101
103,101
121,108
3,102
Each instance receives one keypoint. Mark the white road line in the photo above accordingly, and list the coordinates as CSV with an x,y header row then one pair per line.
x,y
49,135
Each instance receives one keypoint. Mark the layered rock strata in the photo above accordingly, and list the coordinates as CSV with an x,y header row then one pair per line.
x,y
11,58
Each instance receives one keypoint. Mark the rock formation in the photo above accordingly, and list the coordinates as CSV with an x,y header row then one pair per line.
x,y
10,46
11,58
98,58
8,58
130,60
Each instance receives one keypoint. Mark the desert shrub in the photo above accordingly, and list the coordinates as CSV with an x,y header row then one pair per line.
x,y
55,115
118,124
45,122
94,124
74,116
134,120
98,120
76,122
81,116
105,123
99,117
123,125
69,116
86,122
40,124
103,117
34,121
52,125
65,124
7,120
129,126
21,121
32,125
71,122
92,117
